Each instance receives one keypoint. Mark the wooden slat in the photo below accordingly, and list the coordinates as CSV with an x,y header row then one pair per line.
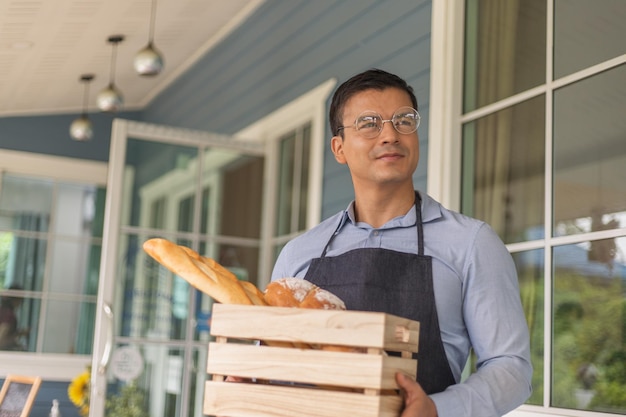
x,y
258,400
344,369
345,328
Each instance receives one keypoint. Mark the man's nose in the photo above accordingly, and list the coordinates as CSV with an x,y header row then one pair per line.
x,y
388,133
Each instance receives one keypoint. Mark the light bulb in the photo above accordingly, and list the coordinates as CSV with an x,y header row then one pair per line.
x,y
81,129
148,61
110,99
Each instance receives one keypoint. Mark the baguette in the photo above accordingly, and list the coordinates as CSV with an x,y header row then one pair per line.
x,y
201,273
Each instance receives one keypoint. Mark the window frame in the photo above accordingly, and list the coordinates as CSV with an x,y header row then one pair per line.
x,y
445,152
46,365
308,108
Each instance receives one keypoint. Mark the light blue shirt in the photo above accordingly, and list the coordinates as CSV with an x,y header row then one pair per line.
x,y
476,294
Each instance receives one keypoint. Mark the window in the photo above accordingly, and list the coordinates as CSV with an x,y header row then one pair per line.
x,y
295,136
47,217
293,177
539,95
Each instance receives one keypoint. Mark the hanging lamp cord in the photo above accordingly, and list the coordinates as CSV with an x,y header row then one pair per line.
x,y
152,22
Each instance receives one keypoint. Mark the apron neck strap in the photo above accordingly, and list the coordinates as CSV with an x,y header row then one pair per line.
x,y
418,223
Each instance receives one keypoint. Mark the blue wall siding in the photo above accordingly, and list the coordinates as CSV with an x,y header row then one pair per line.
x,y
288,47
50,135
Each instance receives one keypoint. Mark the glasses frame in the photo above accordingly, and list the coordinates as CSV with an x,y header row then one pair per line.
x,y
382,122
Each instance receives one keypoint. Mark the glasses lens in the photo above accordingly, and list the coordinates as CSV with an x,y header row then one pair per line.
x,y
406,120
369,124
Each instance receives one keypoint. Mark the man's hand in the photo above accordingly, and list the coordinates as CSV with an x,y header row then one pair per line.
x,y
416,402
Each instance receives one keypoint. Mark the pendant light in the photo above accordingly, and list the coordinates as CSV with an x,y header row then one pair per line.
x,y
81,129
149,61
110,99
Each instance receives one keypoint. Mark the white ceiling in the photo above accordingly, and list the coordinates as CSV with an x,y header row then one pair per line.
x,y
46,45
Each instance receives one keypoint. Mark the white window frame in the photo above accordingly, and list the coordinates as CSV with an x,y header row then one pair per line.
x,y
308,108
444,146
50,367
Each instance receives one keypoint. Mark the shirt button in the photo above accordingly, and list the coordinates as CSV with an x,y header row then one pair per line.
x,y
376,232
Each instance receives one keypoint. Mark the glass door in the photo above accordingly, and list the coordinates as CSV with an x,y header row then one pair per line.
x,y
197,189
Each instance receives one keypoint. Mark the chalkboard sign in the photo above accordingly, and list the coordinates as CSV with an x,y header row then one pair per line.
x,y
17,395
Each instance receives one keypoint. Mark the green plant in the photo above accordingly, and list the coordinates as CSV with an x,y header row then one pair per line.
x,y
128,402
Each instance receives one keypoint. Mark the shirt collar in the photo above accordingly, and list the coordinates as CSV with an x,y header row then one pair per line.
x,y
431,210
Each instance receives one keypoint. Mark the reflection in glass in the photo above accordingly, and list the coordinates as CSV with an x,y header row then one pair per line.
x,y
68,326
50,235
589,328
161,174
19,319
293,177
241,195
22,261
157,391
198,377
530,267
590,154
25,203
505,50
155,300
503,170
587,33
79,276
76,210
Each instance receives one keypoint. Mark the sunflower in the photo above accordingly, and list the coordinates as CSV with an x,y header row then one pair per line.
x,y
78,392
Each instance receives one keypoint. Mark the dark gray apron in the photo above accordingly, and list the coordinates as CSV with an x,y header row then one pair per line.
x,y
383,280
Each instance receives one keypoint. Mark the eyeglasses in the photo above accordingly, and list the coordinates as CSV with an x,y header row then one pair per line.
x,y
369,124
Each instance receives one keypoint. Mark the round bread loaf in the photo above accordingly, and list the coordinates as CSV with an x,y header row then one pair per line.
x,y
296,292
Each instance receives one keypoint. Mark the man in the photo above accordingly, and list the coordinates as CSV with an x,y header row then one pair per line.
x,y
398,251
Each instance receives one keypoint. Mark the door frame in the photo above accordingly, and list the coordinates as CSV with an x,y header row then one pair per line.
x,y
122,129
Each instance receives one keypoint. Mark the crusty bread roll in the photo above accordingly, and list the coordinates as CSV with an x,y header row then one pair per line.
x,y
296,292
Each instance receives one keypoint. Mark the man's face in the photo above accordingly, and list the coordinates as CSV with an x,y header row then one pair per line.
x,y
391,157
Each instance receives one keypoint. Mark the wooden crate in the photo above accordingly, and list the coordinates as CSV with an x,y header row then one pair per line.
x,y
301,366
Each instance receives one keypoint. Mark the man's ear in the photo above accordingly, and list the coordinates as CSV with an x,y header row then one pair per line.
x,y
336,145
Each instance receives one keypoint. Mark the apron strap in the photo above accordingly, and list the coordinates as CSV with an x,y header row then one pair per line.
x,y
418,223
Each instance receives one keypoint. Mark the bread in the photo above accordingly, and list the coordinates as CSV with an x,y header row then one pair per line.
x,y
296,292
211,278
204,274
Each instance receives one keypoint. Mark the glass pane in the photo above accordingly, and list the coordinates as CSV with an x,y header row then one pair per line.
x,y
160,176
241,197
155,300
19,317
155,390
97,222
587,33
285,184
79,276
198,376
204,309
68,326
589,328
503,170
530,269
25,203
22,261
75,210
242,261
304,179
505,50
590,154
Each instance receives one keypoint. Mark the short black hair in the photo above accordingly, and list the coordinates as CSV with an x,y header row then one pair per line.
x,y
374,78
